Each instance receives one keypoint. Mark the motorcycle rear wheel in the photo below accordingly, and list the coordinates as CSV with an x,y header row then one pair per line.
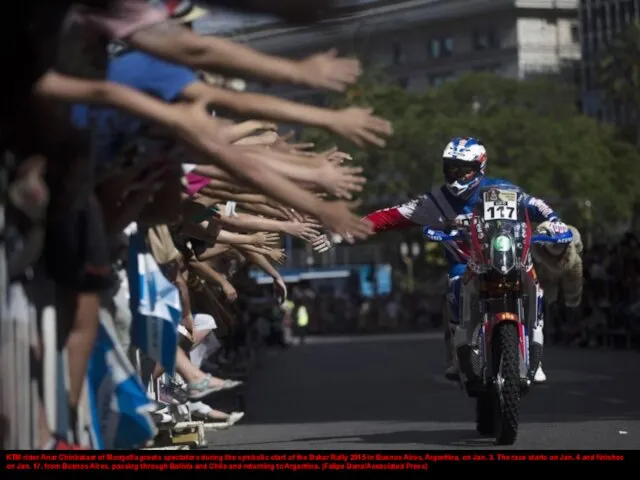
x,y
506,361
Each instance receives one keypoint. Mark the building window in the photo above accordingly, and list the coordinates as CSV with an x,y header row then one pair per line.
x,y
398,54
633,10
441,47
593,21
485,40
575,33
447,45
435,48
439,79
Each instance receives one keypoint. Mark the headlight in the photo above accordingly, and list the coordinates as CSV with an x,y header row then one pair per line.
x,y
502,243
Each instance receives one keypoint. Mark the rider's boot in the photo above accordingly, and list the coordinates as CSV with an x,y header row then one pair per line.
x,y
452,372
537,344
467,361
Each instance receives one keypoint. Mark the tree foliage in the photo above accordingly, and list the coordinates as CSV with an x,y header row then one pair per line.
x,y
619,78
619,68
534,133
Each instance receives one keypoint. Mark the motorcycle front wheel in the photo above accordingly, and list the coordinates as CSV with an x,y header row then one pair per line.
x,y
506,363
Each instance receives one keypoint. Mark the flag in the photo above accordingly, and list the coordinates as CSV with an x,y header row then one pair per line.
x,y
118,402
155,306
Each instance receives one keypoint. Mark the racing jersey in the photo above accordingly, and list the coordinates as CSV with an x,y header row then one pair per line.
x,y
440,208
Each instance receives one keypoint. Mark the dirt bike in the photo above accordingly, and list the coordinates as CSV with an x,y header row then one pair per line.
x,y
501,358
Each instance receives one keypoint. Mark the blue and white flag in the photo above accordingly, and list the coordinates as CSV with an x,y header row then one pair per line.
x,y
155,306
118,403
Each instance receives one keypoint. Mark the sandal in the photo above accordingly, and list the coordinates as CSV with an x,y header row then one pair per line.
x,y
209,420
203,388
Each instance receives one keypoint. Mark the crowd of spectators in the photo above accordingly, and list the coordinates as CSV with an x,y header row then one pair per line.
x,y
609,315
611,298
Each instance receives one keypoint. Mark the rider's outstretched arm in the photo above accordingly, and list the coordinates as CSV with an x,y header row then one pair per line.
x,y
539,211
419,211
392,218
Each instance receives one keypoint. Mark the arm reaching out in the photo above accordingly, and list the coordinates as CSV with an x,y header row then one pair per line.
x,y
181,45
357,125
304,231
279,284
208,274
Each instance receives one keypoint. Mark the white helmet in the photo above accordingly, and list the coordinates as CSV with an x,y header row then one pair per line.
x,y
464,163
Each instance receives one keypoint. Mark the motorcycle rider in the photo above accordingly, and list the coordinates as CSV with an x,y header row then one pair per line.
x,y
464,165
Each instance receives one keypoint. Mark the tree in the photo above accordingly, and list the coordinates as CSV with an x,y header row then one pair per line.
x,y
534,133
619,74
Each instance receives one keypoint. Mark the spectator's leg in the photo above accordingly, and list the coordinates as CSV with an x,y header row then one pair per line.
x,y
206,344
452,372
199,384
456,323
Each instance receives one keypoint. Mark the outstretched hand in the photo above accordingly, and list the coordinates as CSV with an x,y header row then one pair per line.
x,y
360,126
329,72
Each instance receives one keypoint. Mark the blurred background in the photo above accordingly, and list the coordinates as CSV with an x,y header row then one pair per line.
x,y
552,87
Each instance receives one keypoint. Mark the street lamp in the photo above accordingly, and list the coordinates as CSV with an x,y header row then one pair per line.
x,y
409,254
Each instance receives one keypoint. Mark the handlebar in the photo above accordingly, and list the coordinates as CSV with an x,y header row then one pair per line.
x,y
440,236
566,237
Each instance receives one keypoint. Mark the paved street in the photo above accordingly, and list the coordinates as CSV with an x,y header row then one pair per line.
x,y
390,393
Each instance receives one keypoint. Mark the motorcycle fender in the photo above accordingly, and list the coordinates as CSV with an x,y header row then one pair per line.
x,y
506,317
499,318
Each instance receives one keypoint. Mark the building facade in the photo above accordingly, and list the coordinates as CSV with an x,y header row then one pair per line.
x,y
600,22
421,43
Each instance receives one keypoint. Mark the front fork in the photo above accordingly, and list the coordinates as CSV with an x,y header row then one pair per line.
x,y
474,351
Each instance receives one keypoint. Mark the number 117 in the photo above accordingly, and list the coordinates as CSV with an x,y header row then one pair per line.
x,y
501,211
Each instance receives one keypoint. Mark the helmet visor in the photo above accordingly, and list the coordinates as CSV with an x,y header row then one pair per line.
x,y
459,170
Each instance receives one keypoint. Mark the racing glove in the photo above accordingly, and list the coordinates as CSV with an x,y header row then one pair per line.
x,y
556,227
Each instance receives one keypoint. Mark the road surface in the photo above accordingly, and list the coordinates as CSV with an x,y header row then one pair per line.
x,y
385,393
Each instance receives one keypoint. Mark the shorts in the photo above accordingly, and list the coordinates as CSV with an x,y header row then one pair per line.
x,y
210,344
203,321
